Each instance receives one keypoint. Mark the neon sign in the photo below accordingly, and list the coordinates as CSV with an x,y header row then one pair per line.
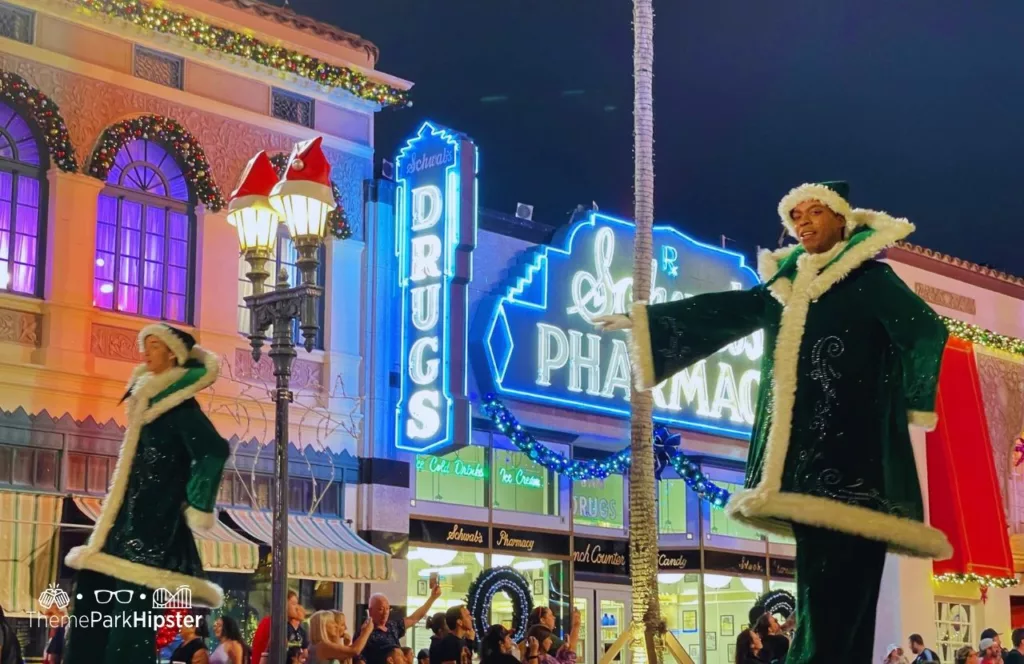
x,y
436,233
536,341
458,468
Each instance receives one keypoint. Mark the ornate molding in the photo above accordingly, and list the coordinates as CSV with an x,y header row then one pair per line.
x,y
945,298
20,327
114,343
305,374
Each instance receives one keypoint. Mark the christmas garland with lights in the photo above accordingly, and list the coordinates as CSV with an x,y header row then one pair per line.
x,y
337,220
981,579
491,582
44,113
200,33
171,135
666,452
982,337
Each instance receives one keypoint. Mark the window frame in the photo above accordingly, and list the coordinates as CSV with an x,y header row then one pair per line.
x,y
19,169
186,208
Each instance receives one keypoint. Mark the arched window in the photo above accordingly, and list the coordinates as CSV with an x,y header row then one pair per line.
x,y
22,194
145,236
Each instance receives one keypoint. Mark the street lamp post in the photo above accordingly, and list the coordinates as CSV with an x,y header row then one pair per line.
x,y
302,199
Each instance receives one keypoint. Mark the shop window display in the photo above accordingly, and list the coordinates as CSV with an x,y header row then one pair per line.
x,y
546,578
727,603
680,608
520,484
672,494
724,526
457,478
455,571
599,502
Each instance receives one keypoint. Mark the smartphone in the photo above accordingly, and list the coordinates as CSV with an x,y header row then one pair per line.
x,y
433,580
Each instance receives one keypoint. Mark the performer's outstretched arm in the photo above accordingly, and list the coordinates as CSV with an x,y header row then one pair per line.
x,y
666,338
208,452
920,337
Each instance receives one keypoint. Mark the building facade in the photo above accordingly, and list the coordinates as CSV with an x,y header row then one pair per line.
x,y
122,129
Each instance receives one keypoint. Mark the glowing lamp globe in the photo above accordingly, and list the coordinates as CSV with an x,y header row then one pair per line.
x,y
304,197
249,208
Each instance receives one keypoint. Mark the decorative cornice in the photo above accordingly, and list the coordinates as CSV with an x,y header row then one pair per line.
x,y
286,16
959,263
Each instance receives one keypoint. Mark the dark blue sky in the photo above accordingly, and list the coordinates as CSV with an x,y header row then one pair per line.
x,y
919,103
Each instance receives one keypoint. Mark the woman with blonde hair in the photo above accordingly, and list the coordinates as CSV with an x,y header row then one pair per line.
x,y
326,644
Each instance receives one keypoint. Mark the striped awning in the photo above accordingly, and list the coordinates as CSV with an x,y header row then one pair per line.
x,y
221,549
28,549
319,548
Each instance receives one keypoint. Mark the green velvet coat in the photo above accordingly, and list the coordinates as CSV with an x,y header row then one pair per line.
x,y
164,487
855,360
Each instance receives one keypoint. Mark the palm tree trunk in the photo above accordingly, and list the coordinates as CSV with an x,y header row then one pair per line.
x,y
643,524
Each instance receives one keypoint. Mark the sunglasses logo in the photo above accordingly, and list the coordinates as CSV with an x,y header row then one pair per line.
x,y
106,596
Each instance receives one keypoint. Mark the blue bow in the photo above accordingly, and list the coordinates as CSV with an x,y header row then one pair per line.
x,y
666,445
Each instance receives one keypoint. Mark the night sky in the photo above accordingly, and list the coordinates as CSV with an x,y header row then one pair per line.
x,y
918,103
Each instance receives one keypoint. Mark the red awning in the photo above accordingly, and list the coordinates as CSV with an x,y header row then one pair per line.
x,y
963,491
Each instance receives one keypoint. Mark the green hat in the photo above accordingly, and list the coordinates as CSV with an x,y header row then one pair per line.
x,y
835,195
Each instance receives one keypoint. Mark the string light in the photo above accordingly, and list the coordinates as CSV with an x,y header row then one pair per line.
x,y
45,114
171,135
489,583
200,33
589,469
980,579
337,220
982,337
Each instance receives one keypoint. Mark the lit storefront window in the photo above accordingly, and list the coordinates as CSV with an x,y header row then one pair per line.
x,y
519,484
680,608
547,579
727,603
455,571
672,506
724,526
457,478
598,502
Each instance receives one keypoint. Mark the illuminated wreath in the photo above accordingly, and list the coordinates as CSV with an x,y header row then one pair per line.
x,y
44,113
171,135
777,602
487,585
337,221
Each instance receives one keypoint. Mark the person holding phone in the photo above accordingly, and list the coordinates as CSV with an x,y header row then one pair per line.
x,y
539,640
193,644
387,633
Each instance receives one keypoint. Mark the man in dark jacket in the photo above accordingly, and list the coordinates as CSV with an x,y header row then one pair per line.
x,y
923,654
10,649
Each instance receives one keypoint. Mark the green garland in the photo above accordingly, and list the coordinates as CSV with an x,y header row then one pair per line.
x,y
171,135
982,337
337,220
197,31
980,579
44,113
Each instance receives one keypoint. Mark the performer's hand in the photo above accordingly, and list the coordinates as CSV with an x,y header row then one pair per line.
x,y
613,323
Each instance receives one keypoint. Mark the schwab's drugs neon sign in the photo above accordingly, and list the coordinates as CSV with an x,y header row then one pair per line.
x,y
538,342
436,233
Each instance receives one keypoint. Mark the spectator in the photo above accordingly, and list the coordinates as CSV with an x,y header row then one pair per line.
x,y
193,643
394,656
56,619
295,655
991,653
923,654
387,633
774,643
966,655
231,649
297,635
10,649
542,615
995,636
453,647
1016,656
497,647
894,655
327,644
261,639
749,648
539,644
423,656
410,656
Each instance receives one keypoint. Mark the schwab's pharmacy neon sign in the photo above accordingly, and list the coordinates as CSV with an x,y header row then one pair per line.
x,y
538,343
436,233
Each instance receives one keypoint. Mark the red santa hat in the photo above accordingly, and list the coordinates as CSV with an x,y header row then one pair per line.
x,y
308,173
255,185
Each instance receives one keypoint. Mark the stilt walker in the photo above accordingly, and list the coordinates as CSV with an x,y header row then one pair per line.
x,y
164,487
854,362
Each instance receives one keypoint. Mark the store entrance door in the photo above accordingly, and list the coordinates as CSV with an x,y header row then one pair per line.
x,y
605,611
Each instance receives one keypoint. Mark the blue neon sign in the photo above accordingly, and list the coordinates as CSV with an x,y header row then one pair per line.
x,y
534,340
436,233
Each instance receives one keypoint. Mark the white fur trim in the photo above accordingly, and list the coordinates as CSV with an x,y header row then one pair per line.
x,y
926,421
640,348
814,192
766,507
164,334
204,593
198,520
320,192
144,386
